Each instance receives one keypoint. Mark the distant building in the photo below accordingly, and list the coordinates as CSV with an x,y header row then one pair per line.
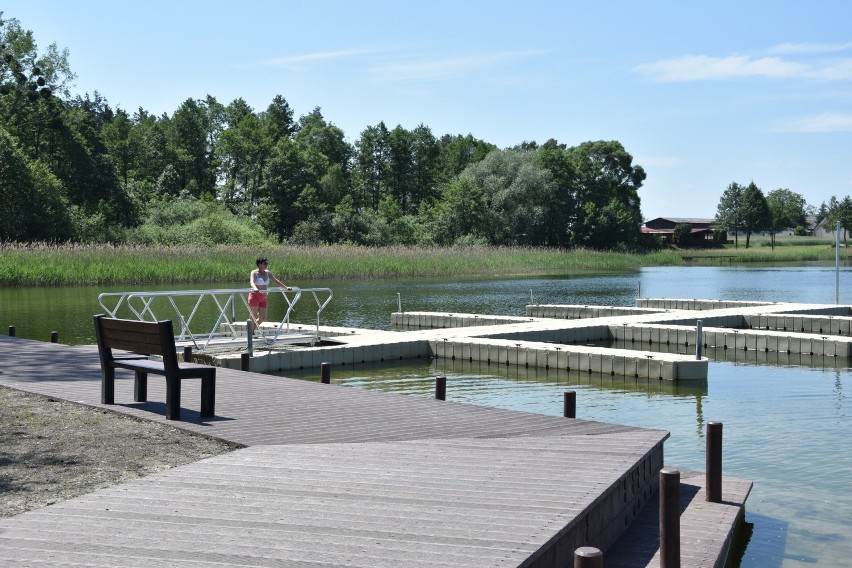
x,y
663,228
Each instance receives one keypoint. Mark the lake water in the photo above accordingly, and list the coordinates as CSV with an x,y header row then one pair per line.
x,y
786,423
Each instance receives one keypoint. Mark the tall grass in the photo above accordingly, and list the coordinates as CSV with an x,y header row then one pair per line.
x,y
43,264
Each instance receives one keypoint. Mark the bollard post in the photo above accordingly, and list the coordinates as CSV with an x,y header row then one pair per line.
x,y
669,518
54,337
11,331
569,406
699,341
250,337
588,557
245,362
713,481
325,373
187,354
441,387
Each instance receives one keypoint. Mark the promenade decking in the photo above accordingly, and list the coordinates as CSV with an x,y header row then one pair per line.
x,y
340,476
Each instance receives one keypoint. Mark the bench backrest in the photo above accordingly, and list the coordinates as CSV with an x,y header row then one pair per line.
x,y
142,337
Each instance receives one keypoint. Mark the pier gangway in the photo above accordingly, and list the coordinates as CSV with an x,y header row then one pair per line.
x,y
192,312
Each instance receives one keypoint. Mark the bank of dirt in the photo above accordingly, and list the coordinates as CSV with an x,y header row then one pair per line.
x,y
52,450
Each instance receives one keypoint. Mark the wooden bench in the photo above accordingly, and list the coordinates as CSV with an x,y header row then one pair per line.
x,y
141,339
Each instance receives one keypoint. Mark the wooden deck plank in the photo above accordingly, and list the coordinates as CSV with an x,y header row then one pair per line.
x,y
330,476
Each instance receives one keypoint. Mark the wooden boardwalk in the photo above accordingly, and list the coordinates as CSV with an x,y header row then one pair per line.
x,y
334,476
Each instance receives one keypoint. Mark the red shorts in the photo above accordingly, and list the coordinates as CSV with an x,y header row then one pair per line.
x,y
258,300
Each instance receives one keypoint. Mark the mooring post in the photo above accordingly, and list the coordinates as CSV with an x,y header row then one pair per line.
x,y
187,354
569,406
54,337
245,362
699,341
669,518
250,337
588,557
441,387
713,481
325,373
11,331
399,302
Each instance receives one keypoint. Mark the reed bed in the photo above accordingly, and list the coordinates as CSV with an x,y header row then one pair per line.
x,y
44,264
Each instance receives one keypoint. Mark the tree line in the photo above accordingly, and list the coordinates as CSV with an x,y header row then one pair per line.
x,y
72,168
745,209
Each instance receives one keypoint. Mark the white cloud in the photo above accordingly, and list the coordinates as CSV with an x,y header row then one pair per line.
x,y
807,48
825,122
706,68
710,68
427,69
301,62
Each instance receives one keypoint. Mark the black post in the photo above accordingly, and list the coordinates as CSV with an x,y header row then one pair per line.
x,y
569,407
245,359
11,331
187,354
441,387
669,518
325,373
54,337
713,481
588,557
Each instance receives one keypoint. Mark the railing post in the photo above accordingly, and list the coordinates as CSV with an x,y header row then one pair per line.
x,y
325,373
54,337
569,406
187,354
588,557
713,481
245,362
669,518
441,387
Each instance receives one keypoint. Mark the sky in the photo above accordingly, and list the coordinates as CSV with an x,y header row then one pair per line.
x,y
701,94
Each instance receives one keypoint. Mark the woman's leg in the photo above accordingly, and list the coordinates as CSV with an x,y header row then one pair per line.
x,y
262,317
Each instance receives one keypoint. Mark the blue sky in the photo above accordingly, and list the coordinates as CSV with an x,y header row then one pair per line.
x,y
700,93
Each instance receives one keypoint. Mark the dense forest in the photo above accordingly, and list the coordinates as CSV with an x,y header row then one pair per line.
x,y
72,168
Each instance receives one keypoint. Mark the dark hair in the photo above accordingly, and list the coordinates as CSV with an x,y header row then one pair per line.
x,y
261,260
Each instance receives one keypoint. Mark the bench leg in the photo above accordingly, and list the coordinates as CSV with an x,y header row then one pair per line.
x,y
140,386
107,385
208,396
172,398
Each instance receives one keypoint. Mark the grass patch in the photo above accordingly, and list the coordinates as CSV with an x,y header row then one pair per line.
x,y
43,264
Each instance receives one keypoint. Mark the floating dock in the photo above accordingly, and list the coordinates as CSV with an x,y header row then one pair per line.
x,y
332,475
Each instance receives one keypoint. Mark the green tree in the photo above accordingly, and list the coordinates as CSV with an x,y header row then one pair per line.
x,y
518,192
756,216
730,212
372,171
682,235
461,212
605,188
786,209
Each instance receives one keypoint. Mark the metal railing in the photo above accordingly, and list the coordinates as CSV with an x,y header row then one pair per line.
x,y
185,306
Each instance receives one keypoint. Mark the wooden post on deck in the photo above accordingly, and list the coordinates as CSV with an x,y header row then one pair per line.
x,y
713,481
11,331
187,354
441,387
569,406
54,337
588,557
325,373
669,518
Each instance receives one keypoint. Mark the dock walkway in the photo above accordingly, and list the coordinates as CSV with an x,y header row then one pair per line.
x,y
332,475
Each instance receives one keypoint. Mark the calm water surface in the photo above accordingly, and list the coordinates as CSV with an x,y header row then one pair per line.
x,y
786,423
